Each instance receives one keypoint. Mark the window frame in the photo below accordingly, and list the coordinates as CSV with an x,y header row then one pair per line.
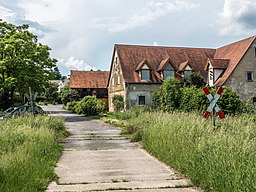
x,y
251,76
147,71
144,99
168,70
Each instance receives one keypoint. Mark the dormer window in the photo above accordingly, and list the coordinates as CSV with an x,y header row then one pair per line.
x,y
145,73
187,72
168,71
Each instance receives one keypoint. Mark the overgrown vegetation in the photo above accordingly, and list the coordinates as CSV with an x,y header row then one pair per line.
x,y
29,150
88,106
173,96
69,95
118,102
220,159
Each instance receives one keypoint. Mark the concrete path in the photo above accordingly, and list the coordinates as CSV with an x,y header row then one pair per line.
x,y
97,158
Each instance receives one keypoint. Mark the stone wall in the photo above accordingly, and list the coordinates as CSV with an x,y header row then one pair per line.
x,y
138,89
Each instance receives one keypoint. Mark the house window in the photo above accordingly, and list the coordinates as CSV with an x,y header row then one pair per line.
x,y
142,100
145,74
254,99
187,74
113,81
118,79
249,76
254,51
168,71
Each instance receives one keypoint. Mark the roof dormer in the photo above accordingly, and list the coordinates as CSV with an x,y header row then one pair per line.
x,y
215,68
144,70
166,68
185,69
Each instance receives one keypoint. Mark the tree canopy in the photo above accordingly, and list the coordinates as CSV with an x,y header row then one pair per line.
x,y
24,62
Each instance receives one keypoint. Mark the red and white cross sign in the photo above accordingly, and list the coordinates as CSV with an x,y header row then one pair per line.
x,y
213,103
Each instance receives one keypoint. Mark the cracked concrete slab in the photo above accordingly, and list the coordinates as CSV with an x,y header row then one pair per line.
x,y
97,158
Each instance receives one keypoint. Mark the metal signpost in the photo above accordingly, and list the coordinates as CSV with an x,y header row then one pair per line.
x,y
213,104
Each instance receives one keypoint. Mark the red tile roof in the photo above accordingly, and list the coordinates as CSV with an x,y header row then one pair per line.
x,y
217,63
131,56
89,79
234,52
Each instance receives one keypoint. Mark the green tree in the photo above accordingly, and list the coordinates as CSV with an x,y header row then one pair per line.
x,y
55,74
24,62
69,95
196,79
118,102
167,97
51,92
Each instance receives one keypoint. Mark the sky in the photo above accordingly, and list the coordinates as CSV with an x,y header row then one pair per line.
x,y
82,33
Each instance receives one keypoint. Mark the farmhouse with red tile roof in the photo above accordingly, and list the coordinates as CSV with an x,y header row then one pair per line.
x,y
93,83
137,71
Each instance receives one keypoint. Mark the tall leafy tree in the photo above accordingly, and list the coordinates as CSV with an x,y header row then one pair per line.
x,y
24,62
55,74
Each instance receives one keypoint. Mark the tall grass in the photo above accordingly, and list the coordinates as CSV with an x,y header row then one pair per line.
x,y
220,159
29,150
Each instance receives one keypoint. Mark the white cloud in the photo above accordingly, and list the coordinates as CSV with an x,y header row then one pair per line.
x,y
238,17
71,63
144,16
8,15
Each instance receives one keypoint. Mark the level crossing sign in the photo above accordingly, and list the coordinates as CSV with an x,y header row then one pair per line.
x,y
213,103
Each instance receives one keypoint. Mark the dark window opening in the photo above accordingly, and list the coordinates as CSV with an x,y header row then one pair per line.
x,y
254,99
142,100
249,76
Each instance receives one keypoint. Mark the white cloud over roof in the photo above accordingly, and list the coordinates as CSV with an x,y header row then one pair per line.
x,y
86,30
238,17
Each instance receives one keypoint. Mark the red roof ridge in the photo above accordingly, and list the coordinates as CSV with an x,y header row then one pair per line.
x,y
161,46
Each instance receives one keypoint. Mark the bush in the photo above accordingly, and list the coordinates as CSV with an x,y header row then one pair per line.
x,y
69,95
167,97
89,105
229,101
118,102
193,99
71,105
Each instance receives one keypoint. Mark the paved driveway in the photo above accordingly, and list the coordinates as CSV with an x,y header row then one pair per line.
x,y
97,158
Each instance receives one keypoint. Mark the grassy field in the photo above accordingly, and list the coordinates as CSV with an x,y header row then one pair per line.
x,y
220,159
29,150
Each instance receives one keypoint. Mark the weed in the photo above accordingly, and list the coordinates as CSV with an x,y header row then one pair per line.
x,y
29,150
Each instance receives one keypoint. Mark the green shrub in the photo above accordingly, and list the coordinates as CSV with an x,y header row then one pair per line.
x,y
118,102
167,97
192,99
68,95
71,105
229,101
89,105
